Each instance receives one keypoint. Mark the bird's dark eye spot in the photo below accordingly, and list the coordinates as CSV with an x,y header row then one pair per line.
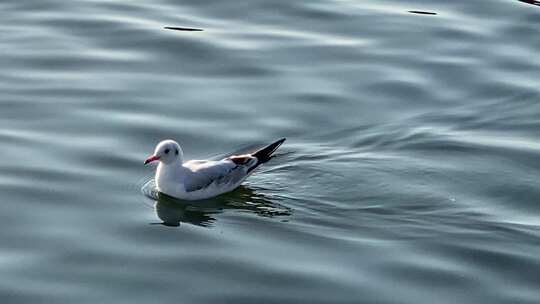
x,y
176,152
167,151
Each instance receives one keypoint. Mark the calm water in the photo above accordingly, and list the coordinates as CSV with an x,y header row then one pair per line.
x,y
410,174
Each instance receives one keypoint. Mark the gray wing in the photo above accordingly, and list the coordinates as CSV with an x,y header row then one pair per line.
x,y
220,173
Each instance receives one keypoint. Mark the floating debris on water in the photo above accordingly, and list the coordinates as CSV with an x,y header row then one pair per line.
x,y
422,12
186,29
533,2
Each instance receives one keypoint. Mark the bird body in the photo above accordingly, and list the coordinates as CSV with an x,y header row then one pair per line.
x,y
202,179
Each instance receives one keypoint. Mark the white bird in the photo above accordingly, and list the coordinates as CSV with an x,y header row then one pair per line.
x,y
202,179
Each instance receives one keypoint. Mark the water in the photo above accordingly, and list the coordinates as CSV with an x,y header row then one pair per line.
x,y
410,174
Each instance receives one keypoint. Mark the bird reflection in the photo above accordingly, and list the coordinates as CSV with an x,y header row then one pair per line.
x,y
173,211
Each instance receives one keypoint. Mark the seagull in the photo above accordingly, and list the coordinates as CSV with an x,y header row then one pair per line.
x,y
203,179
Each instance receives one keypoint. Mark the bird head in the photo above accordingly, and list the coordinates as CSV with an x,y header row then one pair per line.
x,y
167,152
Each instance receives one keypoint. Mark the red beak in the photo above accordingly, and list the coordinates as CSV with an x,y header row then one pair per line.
x,y
151,159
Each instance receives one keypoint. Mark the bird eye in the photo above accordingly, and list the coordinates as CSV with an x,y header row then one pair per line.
x,y
176,151
167,151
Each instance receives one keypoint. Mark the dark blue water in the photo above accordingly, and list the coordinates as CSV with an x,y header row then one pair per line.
x,y
410,173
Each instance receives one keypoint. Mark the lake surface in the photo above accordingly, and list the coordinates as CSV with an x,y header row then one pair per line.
x,y
410,172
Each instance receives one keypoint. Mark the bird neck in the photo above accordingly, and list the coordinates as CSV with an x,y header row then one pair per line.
x,y
174,165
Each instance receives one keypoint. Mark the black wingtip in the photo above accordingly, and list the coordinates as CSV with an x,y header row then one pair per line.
x,y
270,149
266,153
185,29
